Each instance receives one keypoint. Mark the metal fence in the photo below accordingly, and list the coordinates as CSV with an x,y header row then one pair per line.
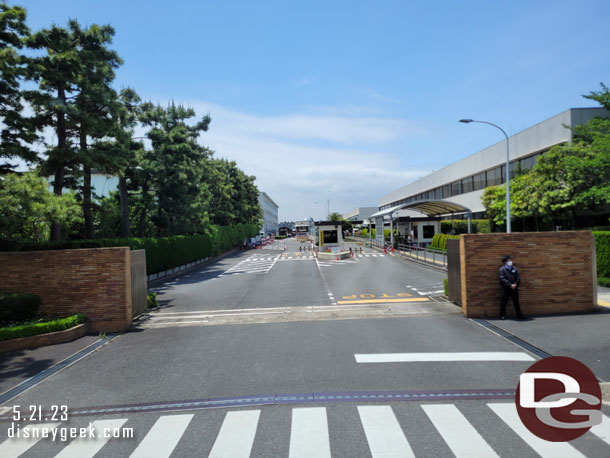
x,y
435,257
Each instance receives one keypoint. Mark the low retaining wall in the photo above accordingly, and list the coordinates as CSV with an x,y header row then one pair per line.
x,y
558,272
93,281
52,338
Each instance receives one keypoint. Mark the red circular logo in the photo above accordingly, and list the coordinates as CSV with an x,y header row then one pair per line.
x,y
559,399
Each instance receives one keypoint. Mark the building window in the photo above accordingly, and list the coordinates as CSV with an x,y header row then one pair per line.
x,y
467,185
456,188
528,163
479,181
514,169
446,191
494,176
428,232
438,193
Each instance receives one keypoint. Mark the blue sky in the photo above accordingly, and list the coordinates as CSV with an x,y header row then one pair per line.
x,y
349,100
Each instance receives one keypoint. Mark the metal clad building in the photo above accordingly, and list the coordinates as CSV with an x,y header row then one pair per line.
x,y
270,219
464,181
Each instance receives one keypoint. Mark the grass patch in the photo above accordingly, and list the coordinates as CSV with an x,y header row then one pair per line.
x,y
40,327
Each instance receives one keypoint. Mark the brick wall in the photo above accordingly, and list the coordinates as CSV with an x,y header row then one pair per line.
x,y
557,272
95,281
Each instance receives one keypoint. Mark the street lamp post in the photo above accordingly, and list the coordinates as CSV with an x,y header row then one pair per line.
x,y
467,121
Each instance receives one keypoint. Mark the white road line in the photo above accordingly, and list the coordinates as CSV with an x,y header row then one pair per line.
x,y
178,322
162,437
461,437
87,447
14,447
383,433
309,433
602,430
236,435
508,413
444,357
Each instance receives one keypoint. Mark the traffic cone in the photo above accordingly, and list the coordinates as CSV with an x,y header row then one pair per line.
x,y
385,250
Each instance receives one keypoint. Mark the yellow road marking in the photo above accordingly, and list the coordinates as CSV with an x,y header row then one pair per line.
x,y
603,303
384,301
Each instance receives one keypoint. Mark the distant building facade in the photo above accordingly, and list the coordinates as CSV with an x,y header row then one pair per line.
x,y
270,211
359,214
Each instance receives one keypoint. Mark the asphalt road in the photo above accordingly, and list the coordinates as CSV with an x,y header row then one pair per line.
x,y
223,370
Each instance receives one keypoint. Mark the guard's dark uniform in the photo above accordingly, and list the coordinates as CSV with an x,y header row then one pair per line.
x,y
508,276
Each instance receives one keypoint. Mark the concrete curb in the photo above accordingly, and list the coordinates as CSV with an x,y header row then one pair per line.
x,y
42,340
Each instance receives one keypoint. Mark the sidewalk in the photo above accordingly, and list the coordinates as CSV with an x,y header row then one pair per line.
x,y
18,366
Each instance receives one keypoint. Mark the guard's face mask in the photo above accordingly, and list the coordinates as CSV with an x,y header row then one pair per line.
x,y
509,263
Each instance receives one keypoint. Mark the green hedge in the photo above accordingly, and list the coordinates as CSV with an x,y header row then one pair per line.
x,y
17,307
34,329
446,286
161,253
603,281
439,241
479,226
602,250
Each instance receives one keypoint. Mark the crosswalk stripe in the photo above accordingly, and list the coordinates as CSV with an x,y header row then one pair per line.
x,y
603,430
508,413
236,435
457,432
86,447
162,437
309,433
14,447
440,356
383,433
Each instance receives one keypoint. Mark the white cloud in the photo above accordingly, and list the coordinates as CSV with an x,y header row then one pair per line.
x,y
300,159
306,81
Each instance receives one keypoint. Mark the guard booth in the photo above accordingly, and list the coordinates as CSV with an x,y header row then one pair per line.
x,y
330,236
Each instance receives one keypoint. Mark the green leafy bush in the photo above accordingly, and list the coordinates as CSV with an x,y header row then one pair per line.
x,y
446,286
151,298
16,307
603,281
602,251
34,329
161,253
439,241
478,226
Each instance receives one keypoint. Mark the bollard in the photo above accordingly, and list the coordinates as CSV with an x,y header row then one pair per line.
x,y
385,250
392,249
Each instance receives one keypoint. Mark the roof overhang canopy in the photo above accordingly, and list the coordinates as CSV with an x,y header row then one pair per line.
x,y
428,207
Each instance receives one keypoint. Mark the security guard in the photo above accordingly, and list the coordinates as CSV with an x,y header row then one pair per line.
x,y
509,281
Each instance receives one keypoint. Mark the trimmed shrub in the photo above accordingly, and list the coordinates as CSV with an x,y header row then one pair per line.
x,y
446,286
34,329
161,253
602,251
603,281
17,307
439,241
479,226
